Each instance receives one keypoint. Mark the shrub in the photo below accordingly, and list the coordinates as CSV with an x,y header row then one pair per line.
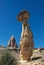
x,y
7,59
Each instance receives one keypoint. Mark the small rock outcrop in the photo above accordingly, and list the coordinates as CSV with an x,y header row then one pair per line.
x,y
12,42
26,41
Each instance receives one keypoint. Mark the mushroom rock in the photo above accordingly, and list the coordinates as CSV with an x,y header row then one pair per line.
x,y
26,40
12,42
23,15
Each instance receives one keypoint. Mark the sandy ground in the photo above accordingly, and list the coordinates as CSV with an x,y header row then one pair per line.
x,y
36,59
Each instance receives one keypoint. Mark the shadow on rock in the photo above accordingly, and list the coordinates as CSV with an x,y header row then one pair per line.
x,y
36,58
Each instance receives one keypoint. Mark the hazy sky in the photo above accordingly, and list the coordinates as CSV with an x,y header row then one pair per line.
x,y
9,25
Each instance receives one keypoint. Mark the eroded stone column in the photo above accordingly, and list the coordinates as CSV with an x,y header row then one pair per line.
x,y
12,42
26,41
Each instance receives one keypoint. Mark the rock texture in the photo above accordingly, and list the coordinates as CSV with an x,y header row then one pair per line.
x,y
12,42
23,15
37,58
26,41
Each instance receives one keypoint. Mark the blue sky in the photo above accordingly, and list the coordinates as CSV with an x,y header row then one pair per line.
x,y
9,25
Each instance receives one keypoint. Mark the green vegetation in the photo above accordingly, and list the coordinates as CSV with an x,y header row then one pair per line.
x,y
7,59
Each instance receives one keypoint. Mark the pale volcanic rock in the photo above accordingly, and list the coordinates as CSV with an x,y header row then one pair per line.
x,y
37,58
26,41
12,42
26,44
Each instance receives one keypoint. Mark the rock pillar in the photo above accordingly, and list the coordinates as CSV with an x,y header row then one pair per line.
x,y
26,41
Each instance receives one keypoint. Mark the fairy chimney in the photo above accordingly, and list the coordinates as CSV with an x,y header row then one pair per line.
x,y
26,40
12,42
